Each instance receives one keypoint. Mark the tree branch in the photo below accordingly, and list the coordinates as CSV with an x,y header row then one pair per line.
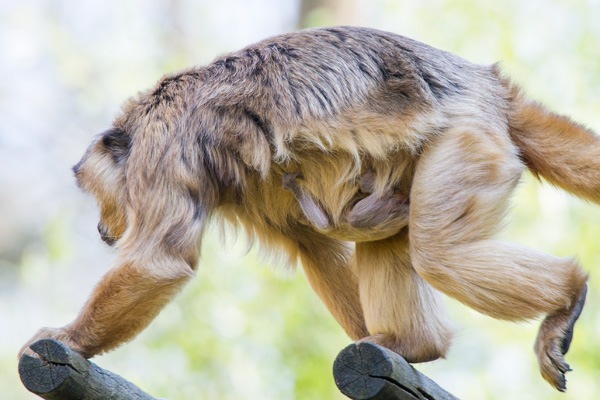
x,y
366,371
63,374
363,371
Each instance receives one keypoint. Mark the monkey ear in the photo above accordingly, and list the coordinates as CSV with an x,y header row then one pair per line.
x,y
118,143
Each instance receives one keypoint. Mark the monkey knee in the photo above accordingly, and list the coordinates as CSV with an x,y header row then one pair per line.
x,y
428,261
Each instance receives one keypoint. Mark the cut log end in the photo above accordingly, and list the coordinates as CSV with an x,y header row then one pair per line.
x,y
366,371
59,373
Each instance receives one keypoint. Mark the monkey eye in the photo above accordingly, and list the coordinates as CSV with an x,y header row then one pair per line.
x,y
118,143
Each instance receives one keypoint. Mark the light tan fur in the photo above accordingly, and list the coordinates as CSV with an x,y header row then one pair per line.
x,y
368,216
279,139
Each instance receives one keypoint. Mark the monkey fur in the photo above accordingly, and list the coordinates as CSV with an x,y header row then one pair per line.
x,y
313,140
371,217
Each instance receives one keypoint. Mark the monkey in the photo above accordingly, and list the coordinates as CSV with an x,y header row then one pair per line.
x,y
369,217
274,138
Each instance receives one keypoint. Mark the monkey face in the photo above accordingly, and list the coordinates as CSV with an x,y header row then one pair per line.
x,y
101,173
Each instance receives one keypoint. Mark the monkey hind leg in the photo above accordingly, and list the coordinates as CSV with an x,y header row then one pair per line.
x,y
402,312
327,266
460,192
553,342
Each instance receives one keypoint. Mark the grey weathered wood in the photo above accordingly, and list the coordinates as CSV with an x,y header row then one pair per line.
x,y
366,371
63,374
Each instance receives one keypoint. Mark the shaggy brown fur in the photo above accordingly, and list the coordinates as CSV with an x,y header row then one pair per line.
x,y
308,140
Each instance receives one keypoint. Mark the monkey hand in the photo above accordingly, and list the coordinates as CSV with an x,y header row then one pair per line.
x,y
388,211
61,334
366,182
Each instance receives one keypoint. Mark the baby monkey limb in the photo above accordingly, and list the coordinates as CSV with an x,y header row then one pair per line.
x,y
389,210
372,217
311,208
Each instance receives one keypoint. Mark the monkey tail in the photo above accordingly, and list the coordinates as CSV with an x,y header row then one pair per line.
x,y
565,153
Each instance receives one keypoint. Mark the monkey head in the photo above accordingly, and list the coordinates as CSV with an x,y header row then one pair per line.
x,y
101,172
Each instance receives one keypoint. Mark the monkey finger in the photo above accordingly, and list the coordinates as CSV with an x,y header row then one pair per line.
x,y
289,181
366,182
559,362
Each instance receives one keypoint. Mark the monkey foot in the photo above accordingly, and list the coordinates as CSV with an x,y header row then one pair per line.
x,y
553,341
415,353
60,334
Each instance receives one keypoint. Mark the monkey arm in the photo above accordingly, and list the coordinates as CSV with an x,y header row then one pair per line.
x,y
125,301
157,223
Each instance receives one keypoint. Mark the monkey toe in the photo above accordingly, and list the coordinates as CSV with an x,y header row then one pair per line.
x,y
554,368
26,351
289,181
549,348
550,357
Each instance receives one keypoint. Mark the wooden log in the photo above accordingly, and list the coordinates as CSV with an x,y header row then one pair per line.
x,y
366,371
63,374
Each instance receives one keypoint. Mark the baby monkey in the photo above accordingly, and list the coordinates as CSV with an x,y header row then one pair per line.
x,y
368,216
375,220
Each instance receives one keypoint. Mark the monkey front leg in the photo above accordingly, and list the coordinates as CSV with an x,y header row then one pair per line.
x,y
125,301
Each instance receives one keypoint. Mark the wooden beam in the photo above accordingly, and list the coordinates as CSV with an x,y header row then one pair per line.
x,y
63,374
366,371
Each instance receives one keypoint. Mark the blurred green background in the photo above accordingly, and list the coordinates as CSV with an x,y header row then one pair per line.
x,y
244,330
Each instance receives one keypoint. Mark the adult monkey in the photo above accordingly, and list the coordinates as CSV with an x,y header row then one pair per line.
x,y
319,112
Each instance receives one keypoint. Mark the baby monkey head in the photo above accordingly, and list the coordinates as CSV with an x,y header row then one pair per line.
x,y
101,172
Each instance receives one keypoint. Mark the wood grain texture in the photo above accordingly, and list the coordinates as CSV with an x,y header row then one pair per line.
x,y
366,371
63,374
